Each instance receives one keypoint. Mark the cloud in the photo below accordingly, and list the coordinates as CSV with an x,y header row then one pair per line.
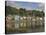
x,y
41,6
29,6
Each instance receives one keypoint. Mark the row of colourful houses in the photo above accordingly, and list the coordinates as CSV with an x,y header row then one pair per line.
x,y
25,21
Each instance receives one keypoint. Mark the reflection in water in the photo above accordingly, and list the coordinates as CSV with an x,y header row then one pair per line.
x,y
28,30
40,29
25,24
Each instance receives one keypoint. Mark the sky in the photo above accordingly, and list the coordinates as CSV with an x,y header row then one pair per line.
x,y
26,5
